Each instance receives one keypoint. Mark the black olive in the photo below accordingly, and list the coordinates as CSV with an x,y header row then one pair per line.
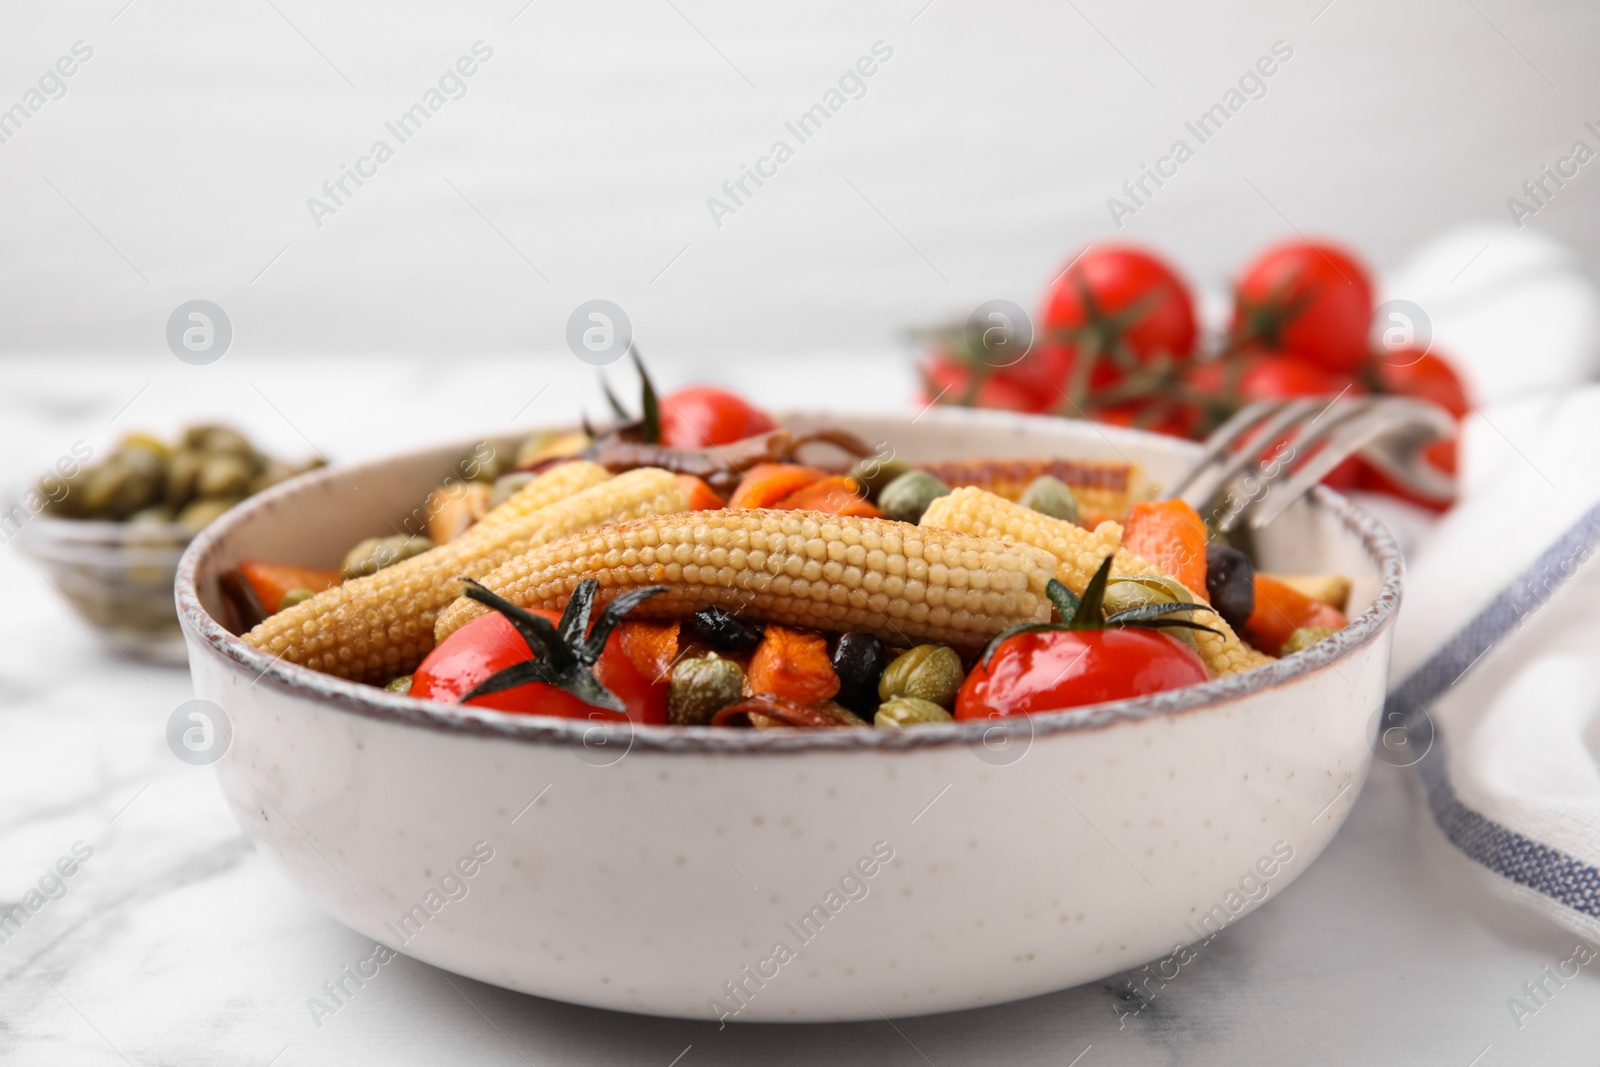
x,y
859,660
725,632
1230,583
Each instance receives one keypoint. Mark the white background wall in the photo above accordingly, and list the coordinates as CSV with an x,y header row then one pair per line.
x,y
982,154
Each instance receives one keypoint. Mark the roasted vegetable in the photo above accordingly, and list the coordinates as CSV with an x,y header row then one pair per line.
x,y
859,660
1078,554
1230,583
373,628
1281,610
273,582
1304,638
1049,495
652,647
794,568
793,664
837,495
376,553
766,710
908,711
1172,537
702,687
927,672
1331,589
724,632
1102,488
769,483
908,496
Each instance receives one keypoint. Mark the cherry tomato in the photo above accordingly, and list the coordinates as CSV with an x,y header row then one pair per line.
x,y
1312,299
1271,377
490,643
1053,669
1423,375
1124,299
698,416
951,380
1441,454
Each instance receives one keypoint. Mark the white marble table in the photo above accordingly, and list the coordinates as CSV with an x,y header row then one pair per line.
x,y
175,943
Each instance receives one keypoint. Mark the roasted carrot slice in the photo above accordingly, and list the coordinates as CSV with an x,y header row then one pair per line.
x,y
701,496
839,495
767,483
793,664
271,580
1281,610
652,647
1171,535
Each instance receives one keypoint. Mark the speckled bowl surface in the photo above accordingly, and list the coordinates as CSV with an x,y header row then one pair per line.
x,y
793,875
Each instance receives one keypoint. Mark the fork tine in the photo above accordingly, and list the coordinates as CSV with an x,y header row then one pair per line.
x,y
1411,425
1222,474
1223,438
1311,448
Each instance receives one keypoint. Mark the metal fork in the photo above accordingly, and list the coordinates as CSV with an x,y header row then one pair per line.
x,y
1273,451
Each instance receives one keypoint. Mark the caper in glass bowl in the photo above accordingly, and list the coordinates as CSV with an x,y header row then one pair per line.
x,y
108,531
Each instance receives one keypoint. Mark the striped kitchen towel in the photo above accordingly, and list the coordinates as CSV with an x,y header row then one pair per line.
x,y
1497,657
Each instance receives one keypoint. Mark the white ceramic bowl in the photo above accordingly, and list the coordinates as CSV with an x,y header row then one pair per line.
x,y
660,869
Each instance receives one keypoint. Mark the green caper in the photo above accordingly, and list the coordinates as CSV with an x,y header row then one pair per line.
x,y
927,672
148,442
908,496
1304,638
269,473
872,473
156,514
202,512
701,687
1124,591
223,474
1051,496
532,445
133,478
485,462
908,711
216,439
401,685
295,596
376,553
183,474
507,484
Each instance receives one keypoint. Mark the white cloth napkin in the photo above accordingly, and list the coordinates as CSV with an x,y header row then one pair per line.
x,y
1497,656
1497,648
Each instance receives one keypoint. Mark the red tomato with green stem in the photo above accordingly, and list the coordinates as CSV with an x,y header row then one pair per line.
x,y
1066,669
492,645
1085,658
1114,309
950,381
1308,298
698,416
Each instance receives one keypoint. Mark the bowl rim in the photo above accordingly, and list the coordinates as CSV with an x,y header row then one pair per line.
x,y
600,737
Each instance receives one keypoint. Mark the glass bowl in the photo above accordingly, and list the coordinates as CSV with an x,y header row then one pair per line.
x,y
118,575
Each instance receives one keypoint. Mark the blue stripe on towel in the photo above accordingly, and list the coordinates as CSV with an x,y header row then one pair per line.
x,y
1563,878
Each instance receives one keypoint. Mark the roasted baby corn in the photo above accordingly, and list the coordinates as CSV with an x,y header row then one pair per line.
x,y
1102,488
1079,553
795,568
557,483
374,628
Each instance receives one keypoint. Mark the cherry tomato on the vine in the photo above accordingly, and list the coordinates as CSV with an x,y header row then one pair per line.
x,y
1309,298
490,643
1121,303
1045,671
698,416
